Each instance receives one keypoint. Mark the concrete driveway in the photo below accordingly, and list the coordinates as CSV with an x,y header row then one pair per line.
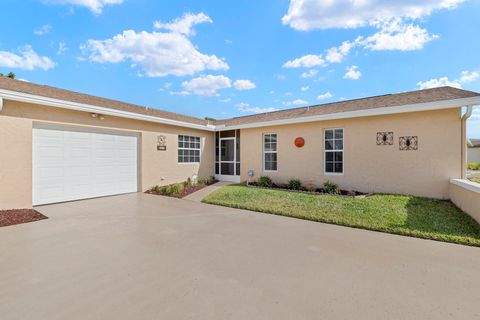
x,y
147,257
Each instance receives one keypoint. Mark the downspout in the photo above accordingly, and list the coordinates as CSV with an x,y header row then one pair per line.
x,y
1,104
465,117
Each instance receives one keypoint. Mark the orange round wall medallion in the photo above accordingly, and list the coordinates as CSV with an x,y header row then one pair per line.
x,y
299,142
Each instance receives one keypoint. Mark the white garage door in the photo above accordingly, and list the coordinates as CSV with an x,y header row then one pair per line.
x,y
71,164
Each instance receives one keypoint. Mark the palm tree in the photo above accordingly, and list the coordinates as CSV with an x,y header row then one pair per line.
x,y
11,75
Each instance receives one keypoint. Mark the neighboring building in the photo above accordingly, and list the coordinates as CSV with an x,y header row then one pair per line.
x,y
473,150
58,145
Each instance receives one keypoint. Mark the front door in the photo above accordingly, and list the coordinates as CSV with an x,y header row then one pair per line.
x,y
228,156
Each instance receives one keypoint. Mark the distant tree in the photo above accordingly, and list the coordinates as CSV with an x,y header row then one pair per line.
x,y
1,74
210,119
11,75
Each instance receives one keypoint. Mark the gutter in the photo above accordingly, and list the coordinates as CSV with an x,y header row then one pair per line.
x,y
465,117
63,104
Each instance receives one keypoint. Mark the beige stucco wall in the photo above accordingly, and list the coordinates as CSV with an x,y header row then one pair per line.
x,y
473,154
367,167
157,167
467,200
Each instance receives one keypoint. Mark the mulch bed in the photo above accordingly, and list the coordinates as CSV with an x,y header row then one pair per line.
x,y
185,192
319,191
18,216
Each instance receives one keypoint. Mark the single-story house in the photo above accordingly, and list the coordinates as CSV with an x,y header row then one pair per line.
x,y
473,150
58,145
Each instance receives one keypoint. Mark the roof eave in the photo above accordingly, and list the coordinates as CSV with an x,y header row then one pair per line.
x,y
64,104
417,107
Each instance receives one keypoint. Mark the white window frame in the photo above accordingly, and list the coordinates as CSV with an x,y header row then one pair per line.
x,y
264,151
199,149
325,151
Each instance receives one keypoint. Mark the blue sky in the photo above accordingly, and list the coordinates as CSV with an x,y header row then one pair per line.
x,y
232,58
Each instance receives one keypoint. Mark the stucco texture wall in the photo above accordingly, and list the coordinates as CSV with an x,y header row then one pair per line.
x,y
467,200
367,167
156,167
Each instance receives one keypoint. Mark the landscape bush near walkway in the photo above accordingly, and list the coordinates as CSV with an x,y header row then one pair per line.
x,y
405,215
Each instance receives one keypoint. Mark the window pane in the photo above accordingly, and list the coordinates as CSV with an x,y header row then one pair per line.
x,y
328,134
329,167
217,168
273,146
338,167
273,138
338,144
328,144
329,156
339,134
274,166
238,169
338,156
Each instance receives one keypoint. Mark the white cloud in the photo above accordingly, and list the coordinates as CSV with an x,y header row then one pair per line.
x,y
294,102
158,54
62,48
306,88
225,100
96,6
325,14
440,82
280,76
465,77
184,24
352,73
310,73
245,107
26,59
207,85
393,20
180,93
469,76
244,85
326,95
336,54
396,35
307,61
43,30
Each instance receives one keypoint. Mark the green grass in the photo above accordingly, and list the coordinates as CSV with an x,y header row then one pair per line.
x,y
404,215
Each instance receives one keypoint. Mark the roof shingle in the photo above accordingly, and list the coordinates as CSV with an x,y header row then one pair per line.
x,y
388,100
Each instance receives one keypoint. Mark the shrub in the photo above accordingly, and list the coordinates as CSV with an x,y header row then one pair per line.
x,y
294,184
331,188
211,179
310,187
163,190
265,181
174,189
187,184
474,166
156,189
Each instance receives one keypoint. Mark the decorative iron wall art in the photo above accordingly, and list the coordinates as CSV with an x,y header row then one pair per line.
x,y
384,138
408,143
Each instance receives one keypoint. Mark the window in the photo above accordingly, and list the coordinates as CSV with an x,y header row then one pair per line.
x,y
333,149
270,152
188,149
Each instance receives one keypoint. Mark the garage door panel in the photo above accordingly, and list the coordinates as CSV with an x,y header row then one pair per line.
x,y
71,165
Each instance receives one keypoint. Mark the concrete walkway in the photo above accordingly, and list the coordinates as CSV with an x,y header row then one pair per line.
x,y
201,194
141,256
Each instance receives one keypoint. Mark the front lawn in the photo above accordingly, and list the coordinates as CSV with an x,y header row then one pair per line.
x,y
405,215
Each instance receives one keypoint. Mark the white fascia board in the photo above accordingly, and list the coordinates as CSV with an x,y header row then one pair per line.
x,y
35,99
417,107
466,184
